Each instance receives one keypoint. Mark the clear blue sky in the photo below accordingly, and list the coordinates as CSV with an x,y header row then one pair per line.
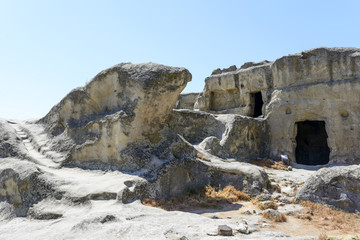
x,y
49,47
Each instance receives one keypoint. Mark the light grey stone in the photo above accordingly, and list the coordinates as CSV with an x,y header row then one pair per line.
x,y
336,186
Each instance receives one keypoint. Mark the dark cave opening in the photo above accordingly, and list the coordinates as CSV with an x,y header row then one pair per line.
x,y
258,104
311,143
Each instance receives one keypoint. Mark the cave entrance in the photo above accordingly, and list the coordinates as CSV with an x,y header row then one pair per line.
x,y
311,143
258,103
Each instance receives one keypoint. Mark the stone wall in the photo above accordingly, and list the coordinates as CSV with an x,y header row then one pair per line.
x,y
321,84
232,92
186,101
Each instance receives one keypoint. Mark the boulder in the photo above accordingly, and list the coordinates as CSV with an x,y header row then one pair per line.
x,y
225,230
21,184
338,187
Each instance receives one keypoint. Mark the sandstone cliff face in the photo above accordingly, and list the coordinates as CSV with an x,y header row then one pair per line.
x,y
121,121
223,135
317,85
231,92
113,110
315,66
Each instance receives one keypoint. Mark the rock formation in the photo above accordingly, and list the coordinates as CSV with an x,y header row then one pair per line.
x,y
338,187
296,95
119,139
120,121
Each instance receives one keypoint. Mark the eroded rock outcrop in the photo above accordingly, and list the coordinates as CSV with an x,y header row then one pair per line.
x,y
338,187
21,184
316,85
10,143
319,86
127,104
223,135
120,121
233,91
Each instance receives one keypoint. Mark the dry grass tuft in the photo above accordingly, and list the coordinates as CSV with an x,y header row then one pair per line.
x,y
322,236
269,163
263,205
276,218
304,217
331,219
229,192
207,197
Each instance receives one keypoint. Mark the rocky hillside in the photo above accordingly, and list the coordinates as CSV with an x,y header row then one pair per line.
x,y
87,169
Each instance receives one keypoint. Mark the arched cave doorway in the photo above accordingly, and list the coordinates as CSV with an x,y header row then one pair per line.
x,y
258,103
311,143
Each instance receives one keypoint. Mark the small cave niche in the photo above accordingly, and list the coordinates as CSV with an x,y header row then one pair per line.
x,y
257,102
311,143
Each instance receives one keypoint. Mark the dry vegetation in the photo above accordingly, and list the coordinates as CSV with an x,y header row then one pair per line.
x,y
331,219
207,197
269,163
276,218
263,205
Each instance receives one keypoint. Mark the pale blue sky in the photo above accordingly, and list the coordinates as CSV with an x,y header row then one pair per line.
x,y
49,47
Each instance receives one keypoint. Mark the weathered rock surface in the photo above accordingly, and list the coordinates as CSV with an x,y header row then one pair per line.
x,y
186,101
320,84
21,184
225,136
338,187
127,104
10,143
120,121
316,85
232,92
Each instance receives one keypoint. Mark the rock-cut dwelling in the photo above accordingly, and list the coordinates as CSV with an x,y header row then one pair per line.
x,y
308,104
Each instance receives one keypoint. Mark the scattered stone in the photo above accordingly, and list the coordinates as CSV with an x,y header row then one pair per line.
x,y
183,238
264,225
225,230
289,168
214,217
275,186
212,234
108,218
276,196
264,197
292,213
243,227
274,215
285,200
252,230
247,212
